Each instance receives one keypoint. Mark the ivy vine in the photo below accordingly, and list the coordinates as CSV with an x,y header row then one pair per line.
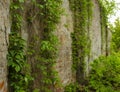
x,y
50,11
18,77
49,44
80,43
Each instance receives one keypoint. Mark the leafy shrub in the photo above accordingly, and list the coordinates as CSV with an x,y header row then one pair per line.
x,y
105,74
72,87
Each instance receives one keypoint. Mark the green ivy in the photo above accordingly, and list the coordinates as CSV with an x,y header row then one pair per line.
x,y
49,44
82,10
18,77
50,11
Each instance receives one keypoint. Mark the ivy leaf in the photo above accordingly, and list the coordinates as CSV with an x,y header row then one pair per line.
x,y
15,7
17,68
26,79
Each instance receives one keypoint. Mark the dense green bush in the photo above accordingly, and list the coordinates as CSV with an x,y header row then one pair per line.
x,y
105,74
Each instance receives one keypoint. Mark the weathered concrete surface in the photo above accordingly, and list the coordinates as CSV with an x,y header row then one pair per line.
x,y
100,36
4,30
108,41
95,32
64,61
95,37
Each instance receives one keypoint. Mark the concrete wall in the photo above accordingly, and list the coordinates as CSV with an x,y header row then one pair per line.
x,y
98,41
95,32
100,36
4,30
64,30
94,35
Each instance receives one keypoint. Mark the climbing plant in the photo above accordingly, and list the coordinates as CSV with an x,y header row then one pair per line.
x,y
18,77
50,12
49,43
80,45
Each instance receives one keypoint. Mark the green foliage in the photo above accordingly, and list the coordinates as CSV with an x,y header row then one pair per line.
x,y
75,87
82,10
36,90
108,5
116,36
107,9
105,74
49,44
82,15
50,11
19,78
71,87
